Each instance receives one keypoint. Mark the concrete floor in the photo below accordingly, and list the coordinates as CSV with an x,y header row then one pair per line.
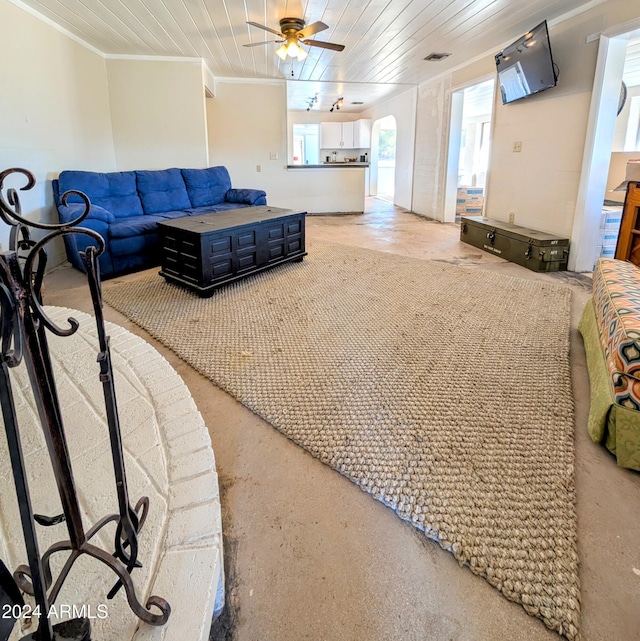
x,y
310,556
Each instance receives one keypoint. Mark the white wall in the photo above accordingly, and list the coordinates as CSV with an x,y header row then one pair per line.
x,y
247,122
403,108
54,110
432,137
158,113
430,164
539,184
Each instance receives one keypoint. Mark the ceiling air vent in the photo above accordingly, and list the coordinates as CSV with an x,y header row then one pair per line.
x,y
437,57
357,102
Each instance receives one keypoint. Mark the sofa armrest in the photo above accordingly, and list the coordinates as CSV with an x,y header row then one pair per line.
x,y
76,243
70,212
251,197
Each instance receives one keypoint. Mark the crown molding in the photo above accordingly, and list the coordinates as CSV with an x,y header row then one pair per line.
x,y
276,82
107,56
256,81
126,56
54,25
625,30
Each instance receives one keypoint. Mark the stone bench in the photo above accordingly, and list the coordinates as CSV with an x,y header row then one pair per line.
x,y
168,458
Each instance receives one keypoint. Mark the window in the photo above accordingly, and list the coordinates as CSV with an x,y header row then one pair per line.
x,y
306,144
631,139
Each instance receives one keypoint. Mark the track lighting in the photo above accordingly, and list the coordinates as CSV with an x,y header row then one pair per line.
x,y
337,104
312,102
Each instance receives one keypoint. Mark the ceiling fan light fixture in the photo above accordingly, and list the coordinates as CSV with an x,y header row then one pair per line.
x,y
293,31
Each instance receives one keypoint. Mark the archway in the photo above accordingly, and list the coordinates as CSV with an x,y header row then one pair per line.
x,y
382,177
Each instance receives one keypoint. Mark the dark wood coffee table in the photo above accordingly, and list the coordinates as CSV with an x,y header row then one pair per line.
x,y
207,252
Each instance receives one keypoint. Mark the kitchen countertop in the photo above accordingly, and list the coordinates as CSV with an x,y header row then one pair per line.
x,y
329,164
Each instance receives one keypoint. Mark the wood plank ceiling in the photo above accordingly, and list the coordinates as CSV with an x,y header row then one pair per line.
x,y
631,74
385,41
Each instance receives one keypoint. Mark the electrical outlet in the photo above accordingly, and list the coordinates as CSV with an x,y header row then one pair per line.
x,y
517,146
258,167
512,217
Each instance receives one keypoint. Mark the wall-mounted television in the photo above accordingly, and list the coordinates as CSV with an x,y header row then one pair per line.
x,y
526,66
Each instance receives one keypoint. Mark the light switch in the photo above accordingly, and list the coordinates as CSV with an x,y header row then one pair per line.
x,y
273,155
517,146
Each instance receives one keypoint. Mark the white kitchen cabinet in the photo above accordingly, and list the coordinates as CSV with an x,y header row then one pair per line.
x,y
362,133
331,135
346,135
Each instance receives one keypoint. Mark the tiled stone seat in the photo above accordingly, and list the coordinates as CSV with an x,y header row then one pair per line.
x,y
168,458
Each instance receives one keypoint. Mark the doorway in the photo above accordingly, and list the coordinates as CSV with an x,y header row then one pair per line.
x,y
382,178
625,149
587,233
469,147
306,144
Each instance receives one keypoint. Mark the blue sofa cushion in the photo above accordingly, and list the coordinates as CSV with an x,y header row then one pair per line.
x,y
115,191
135,250
143,258
76,243
251,197
207,186
69,213
171,215
162,190
134,226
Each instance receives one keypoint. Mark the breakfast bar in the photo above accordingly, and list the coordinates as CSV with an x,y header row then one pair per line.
x,y
330,165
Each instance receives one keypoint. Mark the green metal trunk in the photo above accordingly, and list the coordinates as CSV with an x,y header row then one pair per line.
x,y
535,250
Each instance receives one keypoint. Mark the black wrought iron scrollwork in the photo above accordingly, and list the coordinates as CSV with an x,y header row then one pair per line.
x,y
23,338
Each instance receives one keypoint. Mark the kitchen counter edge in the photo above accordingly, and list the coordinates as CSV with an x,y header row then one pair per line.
x,y
330,164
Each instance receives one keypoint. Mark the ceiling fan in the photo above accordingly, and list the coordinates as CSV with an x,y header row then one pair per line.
x,y
292,33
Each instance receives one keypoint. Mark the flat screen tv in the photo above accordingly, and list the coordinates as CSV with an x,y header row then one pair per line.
x,y
526,66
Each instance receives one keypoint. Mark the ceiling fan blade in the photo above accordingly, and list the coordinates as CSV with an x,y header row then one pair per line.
x,y
323,45
261,26
259,44
309,30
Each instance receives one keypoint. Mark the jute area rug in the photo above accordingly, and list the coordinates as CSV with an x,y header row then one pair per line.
x,y
443,391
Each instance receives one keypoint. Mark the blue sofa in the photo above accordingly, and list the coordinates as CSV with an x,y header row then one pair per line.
x,y
127,206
